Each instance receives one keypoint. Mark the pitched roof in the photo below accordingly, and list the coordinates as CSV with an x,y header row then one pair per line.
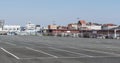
x,y
82,22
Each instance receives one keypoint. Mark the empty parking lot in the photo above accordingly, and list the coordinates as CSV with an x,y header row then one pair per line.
x,y
39,49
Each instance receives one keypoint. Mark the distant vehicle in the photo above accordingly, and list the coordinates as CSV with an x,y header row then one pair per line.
x,y
11,33
109,37
100,37
118,37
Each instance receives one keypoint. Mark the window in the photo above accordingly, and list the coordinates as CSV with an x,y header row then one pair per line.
x,y
17,28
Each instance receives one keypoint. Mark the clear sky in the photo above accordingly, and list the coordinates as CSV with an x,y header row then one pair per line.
x,y
44,12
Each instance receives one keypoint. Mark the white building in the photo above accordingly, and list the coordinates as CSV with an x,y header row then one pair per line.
x,y
94,27
32,29
30,26
11,29
1,24
38,28
108,26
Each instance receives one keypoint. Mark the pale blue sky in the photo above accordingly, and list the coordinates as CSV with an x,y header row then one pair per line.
x,y
44,12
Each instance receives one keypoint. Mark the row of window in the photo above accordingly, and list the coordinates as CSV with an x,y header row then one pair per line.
x,y
11,28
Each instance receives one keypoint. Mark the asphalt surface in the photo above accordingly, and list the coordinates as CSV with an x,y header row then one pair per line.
x,y
39,49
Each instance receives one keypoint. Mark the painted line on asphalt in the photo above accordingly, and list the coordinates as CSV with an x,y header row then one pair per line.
x,y
71,52
67,51
42,52
39,58
110,53
10,53
10,43
55,58
115,54
68,57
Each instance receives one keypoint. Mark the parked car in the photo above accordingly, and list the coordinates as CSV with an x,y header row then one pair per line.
x,y
100,37
109,37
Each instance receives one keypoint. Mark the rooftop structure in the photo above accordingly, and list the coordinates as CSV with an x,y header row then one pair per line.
x,y
108,26
73,26
83,25
52,26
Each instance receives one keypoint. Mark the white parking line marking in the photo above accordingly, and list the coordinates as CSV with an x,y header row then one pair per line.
x,y
68,51
67,57
39,58
10,53
54,58
71,52
110,53
41,52
115,54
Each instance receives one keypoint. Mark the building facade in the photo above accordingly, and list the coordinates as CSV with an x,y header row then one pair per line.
x,y
108,26
1,24
73,26
11,29
83,25
52,26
